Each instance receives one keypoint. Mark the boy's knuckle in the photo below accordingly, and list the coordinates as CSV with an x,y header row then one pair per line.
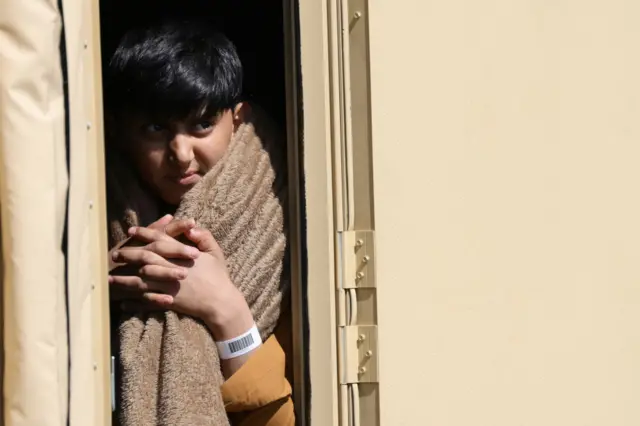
x,y
132,255
146,257
159,235
151,271
139,283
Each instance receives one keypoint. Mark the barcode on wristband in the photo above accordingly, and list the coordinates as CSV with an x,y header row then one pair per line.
x,y
241,344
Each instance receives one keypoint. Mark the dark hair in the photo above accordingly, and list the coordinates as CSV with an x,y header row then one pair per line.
x,y
174,69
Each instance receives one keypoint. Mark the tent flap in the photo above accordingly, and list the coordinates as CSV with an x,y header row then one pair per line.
x,y
33,186
55,302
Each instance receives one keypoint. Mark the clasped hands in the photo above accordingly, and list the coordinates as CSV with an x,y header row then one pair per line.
x,y
154,270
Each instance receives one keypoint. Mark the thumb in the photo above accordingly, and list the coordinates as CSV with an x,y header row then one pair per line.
x,y
204,241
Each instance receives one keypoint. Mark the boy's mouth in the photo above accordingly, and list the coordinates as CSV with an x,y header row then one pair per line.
x,y
188,178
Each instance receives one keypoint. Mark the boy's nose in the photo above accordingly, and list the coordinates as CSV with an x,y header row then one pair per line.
x,y
181,150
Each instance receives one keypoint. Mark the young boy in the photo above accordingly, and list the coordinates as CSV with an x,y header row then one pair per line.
x,y
180,143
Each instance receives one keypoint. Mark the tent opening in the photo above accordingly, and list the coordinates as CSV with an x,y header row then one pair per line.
x,y
263,33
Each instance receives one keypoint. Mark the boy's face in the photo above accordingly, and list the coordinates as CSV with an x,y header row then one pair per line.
x,y
172,157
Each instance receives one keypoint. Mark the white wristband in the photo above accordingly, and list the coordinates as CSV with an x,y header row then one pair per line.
x,y
240,345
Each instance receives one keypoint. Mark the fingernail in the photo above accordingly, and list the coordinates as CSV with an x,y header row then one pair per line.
x,y
192,252
181,274
166,216
115,255
110,279
132,230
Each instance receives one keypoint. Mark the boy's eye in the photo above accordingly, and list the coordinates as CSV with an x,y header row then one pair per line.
x,y
153,128
202,125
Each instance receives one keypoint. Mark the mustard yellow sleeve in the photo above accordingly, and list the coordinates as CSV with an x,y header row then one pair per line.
x,y
259,394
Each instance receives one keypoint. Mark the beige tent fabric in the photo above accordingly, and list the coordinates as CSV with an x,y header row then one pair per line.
x,y
33,183
87,268
33,191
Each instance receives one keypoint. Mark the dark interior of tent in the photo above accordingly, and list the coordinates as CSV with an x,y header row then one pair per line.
x,y
255,27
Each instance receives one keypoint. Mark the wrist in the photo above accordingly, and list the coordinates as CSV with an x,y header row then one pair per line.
x,y
231,320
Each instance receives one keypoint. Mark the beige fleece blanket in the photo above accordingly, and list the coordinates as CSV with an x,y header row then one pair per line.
x,y
169,367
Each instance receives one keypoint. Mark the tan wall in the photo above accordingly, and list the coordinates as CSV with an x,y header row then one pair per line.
x,y
505,148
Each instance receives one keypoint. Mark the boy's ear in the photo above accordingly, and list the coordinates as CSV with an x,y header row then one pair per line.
x,y
240,111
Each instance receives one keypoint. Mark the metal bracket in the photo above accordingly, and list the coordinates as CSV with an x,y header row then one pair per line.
x,y
360,363
358,259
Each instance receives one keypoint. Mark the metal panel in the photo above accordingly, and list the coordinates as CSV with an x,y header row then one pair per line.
x,y
356,293
357,21
319,200
505,148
